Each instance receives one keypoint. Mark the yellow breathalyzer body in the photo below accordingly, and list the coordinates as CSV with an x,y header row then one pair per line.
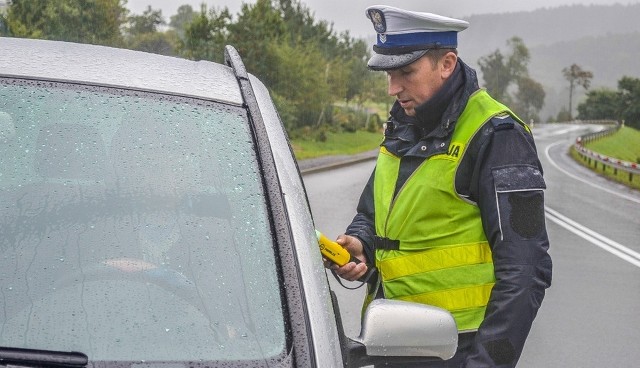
x,y
334,251
340,256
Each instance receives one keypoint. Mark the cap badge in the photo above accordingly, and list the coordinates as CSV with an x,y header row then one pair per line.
x,y
377,18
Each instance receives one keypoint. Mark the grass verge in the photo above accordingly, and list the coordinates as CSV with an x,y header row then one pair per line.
x,y
344,143
623,145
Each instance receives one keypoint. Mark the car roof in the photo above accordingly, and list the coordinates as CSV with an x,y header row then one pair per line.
x,y
107,66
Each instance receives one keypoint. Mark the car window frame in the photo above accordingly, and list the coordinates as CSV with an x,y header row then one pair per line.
x,y
302,342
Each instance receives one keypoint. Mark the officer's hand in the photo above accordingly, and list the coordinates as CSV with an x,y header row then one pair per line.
x,y
351,271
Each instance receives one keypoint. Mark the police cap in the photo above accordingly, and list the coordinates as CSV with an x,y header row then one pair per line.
x,y
404,36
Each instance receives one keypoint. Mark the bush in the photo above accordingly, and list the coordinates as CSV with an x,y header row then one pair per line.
x,y
321,135
336,119
347,119
375,123
564,115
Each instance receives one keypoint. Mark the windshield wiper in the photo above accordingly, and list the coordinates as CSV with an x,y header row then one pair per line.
x,y
42,358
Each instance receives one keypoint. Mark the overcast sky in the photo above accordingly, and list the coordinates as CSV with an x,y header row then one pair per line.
x,y
349,14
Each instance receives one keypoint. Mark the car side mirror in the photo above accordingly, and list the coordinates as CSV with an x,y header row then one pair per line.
x,y
395,331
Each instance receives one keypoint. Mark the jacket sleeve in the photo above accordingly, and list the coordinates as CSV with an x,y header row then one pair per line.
x,y
363,226
508,186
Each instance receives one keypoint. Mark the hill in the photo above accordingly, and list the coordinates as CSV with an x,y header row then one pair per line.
x,y
602,39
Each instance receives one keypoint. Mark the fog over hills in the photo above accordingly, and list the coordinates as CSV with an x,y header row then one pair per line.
x,y
602,39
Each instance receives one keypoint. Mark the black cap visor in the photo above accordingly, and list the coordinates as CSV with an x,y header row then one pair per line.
x,y
382,62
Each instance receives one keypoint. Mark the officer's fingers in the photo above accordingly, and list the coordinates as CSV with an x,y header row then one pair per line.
x,y
353,244
346,240
351,271
358,271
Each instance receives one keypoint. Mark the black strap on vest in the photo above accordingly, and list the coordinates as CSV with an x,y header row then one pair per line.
x,y
385,243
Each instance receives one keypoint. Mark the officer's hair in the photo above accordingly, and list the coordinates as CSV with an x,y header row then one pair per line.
x,y
436,54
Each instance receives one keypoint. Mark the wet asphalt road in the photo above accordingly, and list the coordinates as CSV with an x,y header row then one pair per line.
x,y
591,314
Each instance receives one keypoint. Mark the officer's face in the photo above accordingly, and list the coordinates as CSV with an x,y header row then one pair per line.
x,y
416,83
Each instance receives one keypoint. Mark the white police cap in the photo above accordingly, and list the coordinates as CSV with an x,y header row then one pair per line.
x,y
404,36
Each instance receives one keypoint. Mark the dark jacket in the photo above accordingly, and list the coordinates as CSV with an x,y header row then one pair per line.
x,y
501,173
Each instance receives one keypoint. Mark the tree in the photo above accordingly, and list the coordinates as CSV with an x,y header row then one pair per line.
x,y
205,35
87,21
600,104
500,72
576,76
163,43
256,27
357,71
495,74
630,101
148,22
518,59
306,66
530,99
299,22
347,71
182,18
297,82
623,104
143,33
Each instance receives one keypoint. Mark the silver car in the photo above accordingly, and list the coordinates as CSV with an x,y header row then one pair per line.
x,y
152,215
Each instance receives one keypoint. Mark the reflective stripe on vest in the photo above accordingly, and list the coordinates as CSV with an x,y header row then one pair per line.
x,y
443,257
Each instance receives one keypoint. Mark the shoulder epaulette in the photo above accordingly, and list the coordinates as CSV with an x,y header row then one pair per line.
x,y
502,122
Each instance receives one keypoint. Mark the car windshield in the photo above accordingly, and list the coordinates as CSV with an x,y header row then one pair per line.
x,y
134,227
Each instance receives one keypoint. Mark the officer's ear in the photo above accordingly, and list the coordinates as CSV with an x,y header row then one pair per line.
x,y
448,64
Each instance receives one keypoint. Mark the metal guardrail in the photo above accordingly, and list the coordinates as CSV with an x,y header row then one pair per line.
x,y
615,126
594,159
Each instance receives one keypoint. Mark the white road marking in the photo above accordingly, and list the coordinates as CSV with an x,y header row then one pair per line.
x,y
595,238
546,133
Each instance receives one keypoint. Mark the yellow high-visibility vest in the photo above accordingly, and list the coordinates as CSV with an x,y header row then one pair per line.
x,y
443,257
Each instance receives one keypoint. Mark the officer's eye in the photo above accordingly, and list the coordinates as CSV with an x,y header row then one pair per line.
x,y
406,71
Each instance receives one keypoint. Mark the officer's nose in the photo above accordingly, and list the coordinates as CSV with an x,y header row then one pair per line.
x,y
394,87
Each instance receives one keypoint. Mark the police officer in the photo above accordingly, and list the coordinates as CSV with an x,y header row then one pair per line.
x,y
453,214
